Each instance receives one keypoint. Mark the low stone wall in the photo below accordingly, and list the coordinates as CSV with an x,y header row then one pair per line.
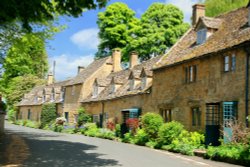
x,y
2,116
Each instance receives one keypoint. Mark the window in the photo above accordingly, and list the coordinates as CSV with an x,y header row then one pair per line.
x,y
52,96
201,36
73,90
95,90
44,96
143,82
96,118
62,94
196,116
131,84
66,116
190,74
229,63
166,114
36,99
112,88
29,114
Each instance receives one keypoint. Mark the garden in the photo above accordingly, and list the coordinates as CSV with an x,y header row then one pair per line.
x,y
150,130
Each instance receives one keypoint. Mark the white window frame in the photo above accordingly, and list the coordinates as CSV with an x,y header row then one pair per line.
x,y
201,36
95,90
226,63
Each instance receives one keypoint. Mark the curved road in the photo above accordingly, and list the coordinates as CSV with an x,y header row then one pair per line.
x,y
22,146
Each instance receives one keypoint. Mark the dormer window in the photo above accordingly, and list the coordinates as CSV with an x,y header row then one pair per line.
x,y
143,82
52,96
201,36
44,96
131,84
95,90
112,89
62,94
36,99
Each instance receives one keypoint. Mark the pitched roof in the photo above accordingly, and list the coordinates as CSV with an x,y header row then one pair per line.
x,y
231,32
88,71
122,78
209,22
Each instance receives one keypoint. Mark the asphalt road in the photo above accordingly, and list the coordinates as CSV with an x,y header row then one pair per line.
x,y
22,146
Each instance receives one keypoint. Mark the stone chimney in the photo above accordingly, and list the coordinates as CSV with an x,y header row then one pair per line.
x,y
80,69
116,56
133,60
50,79
198,11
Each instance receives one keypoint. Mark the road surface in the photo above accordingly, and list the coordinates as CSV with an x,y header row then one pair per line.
x,y
22,146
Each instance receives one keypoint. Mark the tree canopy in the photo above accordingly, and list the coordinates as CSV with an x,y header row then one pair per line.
x,y
215,7
156,31
38,11
114,24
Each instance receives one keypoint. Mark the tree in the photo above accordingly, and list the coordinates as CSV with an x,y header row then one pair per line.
x,y
161,26
48,114
115,24
39,11
26,56
18,86
215,7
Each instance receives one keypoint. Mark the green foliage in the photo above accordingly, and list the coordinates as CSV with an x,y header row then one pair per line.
x,y
115,24
48,114
215,7
18,86
151,123
32,124
141,137
118,130
128,138
161,26
12,115
40,11
152,144
27,55
169,131
57,128
186,142
83,117
234,153
106,134
91,129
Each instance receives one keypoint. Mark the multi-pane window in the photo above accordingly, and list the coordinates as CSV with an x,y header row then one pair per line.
x,y
166,114
96,118
29,114
196,116
62,94
201,36
143,82
131,84
190,74
229,63
52,98
95,91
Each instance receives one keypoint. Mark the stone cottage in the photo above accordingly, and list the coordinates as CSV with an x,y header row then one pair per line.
x,y
203,81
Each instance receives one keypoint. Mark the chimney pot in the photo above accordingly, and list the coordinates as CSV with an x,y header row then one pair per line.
x,y
116,56
133,59
198,11
50,79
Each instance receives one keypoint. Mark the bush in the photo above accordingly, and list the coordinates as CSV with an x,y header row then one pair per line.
x,y
141,137
233,153
118,130
110,125
169,131
151,123
57,128
82,117
152,144
106,134
48,114
32,124
12,115
91,129
128,138
133,124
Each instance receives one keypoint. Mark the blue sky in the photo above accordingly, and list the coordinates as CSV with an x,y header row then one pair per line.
x,y
77,44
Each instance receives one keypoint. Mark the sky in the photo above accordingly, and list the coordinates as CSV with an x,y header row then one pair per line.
x,y
77,44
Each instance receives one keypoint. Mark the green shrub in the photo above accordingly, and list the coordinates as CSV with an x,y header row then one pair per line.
x,y
118,130
128,138
82,117
48,114
32,124
141,137
151,123
57,128
91,129
233,153
12,115
152,144
106,134
169,131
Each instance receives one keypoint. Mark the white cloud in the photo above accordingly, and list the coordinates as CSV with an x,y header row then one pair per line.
x,y
185,6
86,38
66,65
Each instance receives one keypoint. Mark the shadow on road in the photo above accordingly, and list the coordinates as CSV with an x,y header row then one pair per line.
x,y
56,153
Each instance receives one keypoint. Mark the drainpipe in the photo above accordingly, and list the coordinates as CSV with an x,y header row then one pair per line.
x,y
247,49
